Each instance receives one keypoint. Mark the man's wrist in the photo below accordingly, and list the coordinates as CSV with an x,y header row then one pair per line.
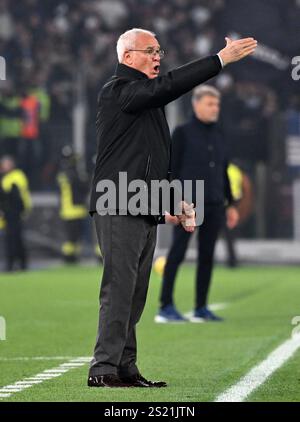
x,y
221,60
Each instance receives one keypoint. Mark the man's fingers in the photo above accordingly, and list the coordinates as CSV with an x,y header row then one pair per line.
x,y
244,40
242,47
248,44
189,228
251,45
188,209
247,52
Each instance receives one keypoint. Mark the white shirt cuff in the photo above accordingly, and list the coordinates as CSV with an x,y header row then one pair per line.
x,y
221,61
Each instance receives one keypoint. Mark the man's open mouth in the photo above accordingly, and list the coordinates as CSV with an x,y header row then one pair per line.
x,y
156,69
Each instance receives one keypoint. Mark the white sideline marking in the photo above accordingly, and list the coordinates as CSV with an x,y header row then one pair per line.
x,y
260,373
8,392
48,374
38,358
71,365
28,382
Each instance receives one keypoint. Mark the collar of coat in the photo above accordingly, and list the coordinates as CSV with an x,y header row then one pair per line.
x,y
129,72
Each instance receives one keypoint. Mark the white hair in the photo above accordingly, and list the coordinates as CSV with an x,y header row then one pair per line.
x,y
127,41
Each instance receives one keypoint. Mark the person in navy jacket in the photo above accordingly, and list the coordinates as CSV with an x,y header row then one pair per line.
x,y
199,153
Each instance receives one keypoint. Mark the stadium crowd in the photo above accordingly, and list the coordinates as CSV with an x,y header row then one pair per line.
x,y
58,51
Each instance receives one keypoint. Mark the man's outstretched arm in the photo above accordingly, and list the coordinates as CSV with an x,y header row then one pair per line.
x,y
140,94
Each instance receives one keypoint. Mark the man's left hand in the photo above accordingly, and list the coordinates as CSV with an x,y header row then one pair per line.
x,y
187,219
233,217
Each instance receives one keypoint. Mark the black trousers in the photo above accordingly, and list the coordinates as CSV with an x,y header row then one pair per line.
x,y
73,230
127,244
207,237
14,244
72,242
229,237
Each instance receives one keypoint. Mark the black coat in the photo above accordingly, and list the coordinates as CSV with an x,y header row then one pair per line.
x,y
11,204
199,152
132,131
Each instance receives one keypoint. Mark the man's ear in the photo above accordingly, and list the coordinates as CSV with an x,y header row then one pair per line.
x,y
127,58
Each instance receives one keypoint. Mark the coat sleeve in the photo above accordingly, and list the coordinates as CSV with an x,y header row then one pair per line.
x,y
134,96
177,151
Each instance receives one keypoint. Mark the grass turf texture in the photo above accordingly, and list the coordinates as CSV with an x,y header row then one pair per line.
x,y
54,313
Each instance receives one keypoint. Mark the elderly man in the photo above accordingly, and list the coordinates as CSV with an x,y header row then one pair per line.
x,y
199,153
133,138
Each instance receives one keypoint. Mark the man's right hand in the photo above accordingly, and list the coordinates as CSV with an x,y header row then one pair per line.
x,y
237,49
188,217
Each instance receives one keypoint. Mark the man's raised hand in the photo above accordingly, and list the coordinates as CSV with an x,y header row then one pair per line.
x,y
236,50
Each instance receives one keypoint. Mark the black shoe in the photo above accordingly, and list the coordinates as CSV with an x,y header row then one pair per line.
x,y
109,381
139,381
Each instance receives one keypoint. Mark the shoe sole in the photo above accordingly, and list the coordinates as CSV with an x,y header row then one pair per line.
x,y
127,386
109,386
162,320
197,320
203,320
149,386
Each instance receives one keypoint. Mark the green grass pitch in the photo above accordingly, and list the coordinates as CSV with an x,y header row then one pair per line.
x,y
54,313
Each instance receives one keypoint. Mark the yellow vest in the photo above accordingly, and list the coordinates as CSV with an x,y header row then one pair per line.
x,y
69,211
17,177
2,223
236,181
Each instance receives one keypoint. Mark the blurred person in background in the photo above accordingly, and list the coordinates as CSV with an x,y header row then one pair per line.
x,y
73,186
15,204
38,89
10,120
242,193
199,153
30,146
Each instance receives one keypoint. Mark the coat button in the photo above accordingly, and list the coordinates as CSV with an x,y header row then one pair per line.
x,y
212,164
